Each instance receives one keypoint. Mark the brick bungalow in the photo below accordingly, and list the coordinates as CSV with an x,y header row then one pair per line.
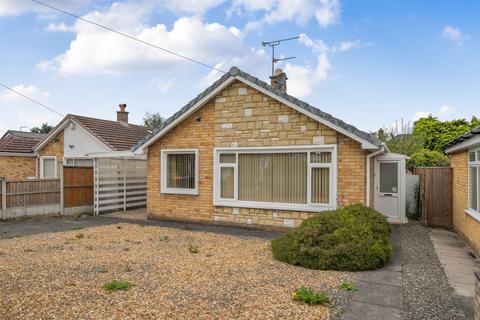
x,y
76,139
17,159
465,155
246,152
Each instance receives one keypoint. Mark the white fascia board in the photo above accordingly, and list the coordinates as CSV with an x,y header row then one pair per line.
x,y
182,117
365,144
116,154
17,154
469,143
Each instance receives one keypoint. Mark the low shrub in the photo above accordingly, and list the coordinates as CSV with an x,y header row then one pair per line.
x,y
117,285
310,296
352,238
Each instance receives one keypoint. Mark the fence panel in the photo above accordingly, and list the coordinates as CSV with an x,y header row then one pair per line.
x,y
436,196
120,184
78,187
31,197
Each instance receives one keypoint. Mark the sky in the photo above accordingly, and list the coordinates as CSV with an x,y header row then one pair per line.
x,y
369,63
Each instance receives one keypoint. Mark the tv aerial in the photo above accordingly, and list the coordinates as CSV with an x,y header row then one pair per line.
x,y
273,44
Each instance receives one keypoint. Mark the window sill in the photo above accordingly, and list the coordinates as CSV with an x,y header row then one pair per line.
x,y
273,206
474,214
180,192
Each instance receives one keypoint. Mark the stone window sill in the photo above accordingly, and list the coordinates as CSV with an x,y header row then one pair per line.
x,y
474,214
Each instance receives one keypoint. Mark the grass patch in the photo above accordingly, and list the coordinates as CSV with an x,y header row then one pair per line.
x,y
77,216
348,286
310,296
192,247
117,285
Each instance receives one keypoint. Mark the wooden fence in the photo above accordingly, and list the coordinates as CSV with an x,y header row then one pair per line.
x,y
78,189
29,197
436,196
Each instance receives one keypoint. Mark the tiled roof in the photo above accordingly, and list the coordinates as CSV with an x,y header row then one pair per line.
x,y
20,142
463,137
116,135
234,71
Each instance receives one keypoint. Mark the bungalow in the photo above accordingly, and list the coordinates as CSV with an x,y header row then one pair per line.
x,y
17,159
246,152
465,155
77,139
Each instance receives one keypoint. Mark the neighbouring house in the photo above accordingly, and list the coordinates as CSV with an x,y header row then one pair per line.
x,y
17,159
465,155
77,140
246,152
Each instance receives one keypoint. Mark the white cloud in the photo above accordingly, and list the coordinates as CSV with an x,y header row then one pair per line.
x,y
96,51
303,79
15,7
454,34
420,114
349,45
162,85
326,12
445,112
192,6
59,27
28,90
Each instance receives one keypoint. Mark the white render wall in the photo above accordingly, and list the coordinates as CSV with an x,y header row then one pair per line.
x,y
82,141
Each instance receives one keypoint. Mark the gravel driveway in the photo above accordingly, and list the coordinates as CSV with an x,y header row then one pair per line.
x,y
60,276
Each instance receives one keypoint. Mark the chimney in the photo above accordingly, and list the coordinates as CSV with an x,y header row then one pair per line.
x,y
279,80
122,115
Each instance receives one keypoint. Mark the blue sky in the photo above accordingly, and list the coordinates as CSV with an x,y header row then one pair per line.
x,y
367,62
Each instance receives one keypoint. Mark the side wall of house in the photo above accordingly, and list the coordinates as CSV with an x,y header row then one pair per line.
x,y
241,116
54,148
464,224
17,167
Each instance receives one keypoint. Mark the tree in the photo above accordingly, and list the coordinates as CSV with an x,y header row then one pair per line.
x,y
428,158
45,128
153,120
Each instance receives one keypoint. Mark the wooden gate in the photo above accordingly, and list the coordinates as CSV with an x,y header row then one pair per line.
x,y
436,196
78,189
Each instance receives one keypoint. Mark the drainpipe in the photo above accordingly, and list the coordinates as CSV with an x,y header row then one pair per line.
x,y
383,149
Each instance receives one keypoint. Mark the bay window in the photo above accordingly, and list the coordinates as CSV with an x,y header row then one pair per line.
x,y
296,178
179,171
474,180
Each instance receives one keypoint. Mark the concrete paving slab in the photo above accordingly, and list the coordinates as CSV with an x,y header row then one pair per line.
x,y
361,311
382,277
379,294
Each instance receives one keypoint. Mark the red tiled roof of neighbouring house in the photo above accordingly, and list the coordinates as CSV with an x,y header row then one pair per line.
x,y
118,136
20,142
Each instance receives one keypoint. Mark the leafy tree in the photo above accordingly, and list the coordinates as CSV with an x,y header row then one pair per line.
x,y
45,128
428,158
153,120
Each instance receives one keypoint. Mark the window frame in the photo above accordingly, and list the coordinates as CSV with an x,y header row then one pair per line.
x,y
65,160
42,159
163,164
309,206
473,164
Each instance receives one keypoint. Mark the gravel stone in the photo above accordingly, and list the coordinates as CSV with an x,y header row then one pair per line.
x,y
60,276
426,291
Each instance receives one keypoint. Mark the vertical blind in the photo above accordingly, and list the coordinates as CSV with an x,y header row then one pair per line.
x,y
181,171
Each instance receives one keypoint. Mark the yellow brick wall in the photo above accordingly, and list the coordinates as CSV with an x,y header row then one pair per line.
x,y
467,227
54,148
17,168
247,120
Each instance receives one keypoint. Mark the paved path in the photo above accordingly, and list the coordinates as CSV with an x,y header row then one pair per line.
x,y
379,294
458,264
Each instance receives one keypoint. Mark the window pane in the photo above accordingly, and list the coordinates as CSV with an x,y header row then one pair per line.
x,y
388,177
48,168
321,157
228,158
320,185
279,177
226,183
473,188
471,156
181,171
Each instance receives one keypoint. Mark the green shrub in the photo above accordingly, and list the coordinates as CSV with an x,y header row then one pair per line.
x,y
352,238
117,285
310,296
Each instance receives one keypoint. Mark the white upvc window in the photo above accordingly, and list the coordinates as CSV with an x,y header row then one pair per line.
x,y
286,178
474,183
48,167
179,171
78,162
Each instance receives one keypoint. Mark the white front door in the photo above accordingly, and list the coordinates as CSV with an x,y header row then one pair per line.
x,y
387,189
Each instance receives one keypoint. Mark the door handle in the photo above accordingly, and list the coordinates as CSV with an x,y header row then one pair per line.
x,y
388,195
